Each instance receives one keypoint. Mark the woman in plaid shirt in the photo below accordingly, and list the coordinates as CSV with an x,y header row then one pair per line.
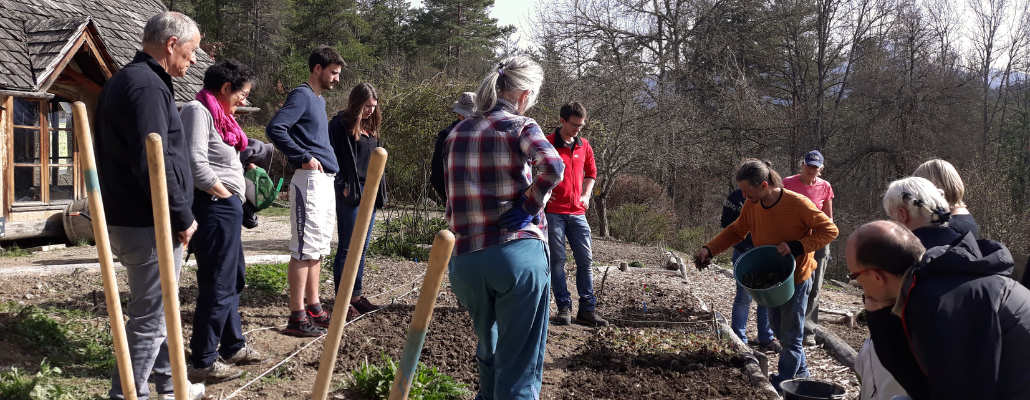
x,y
500,170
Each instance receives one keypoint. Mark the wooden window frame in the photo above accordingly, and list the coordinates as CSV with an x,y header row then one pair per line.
x,y
44,130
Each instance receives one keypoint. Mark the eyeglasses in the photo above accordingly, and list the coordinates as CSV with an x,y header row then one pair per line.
x,y
855,275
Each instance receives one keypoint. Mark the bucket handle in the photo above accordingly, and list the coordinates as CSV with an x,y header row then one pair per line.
x,y
86,216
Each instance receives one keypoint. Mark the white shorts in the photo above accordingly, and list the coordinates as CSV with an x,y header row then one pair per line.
x,y
312,214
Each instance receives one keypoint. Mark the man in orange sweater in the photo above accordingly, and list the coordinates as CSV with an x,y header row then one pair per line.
x,y
776,216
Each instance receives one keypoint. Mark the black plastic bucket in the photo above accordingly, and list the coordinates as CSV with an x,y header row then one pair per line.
x,y
811,389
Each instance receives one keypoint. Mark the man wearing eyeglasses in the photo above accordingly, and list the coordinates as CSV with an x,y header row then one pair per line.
x,y
966,323
566,217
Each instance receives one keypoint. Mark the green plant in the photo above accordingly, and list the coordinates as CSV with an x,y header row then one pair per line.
x,y
428,383
638,223
690,239
407,237
14,251
64,334
16,385
269,279
83,242
636,264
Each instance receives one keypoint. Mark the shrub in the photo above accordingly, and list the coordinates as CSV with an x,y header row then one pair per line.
x,y
638,223
269,279
690,239
16,385
406,236
427,384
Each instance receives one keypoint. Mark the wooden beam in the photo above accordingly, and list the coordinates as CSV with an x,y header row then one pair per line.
x,y
94,49
74,78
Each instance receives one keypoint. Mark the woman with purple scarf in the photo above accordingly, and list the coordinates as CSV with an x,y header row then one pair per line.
x,y
215,141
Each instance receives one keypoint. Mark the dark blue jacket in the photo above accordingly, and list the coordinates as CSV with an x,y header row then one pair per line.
x,y
135,102
437,171
968,323
936,235
730,211
300,129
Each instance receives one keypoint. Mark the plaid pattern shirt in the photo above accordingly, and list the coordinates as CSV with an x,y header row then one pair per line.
x,y
489,162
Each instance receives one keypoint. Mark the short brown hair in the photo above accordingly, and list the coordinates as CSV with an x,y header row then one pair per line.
x,y
572,108
894,252
325,56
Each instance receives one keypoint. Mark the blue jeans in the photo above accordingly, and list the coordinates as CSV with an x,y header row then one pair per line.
x,y
575,227
346,215
505,288
221,270
741,309
788,321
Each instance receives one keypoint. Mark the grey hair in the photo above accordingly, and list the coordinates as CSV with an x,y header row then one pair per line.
x,y
920,196
512,74
167,25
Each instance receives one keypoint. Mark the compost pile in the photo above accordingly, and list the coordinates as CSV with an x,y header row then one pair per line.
x,y
762,279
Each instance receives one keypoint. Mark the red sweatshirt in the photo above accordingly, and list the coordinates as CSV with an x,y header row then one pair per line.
x,y
579,164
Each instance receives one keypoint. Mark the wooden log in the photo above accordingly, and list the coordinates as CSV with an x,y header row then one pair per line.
x,y
114,303
752,366
350,273
166,263
438,259
840,350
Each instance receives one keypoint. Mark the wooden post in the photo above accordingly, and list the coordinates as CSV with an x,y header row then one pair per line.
x,y
439,256
96,207
350,272
166,263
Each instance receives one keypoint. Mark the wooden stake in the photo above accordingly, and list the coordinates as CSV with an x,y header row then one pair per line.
x,y
350,272
166,263
439,256
96,208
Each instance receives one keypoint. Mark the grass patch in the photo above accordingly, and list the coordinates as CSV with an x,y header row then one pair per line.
x,y
275,210
17,385
14,251
375,381
72,337
404,237
269,279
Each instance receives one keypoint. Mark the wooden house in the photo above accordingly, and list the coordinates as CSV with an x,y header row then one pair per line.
x,y
52,54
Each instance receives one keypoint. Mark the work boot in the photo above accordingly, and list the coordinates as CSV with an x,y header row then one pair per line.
x,y
590,318
247,356
770,347
217,372
364,306
564,316
194,391
809,341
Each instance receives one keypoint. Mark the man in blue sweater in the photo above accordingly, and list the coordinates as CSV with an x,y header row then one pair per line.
x,y
300,129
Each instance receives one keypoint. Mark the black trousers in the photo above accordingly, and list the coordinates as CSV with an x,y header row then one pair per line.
x,y
221,269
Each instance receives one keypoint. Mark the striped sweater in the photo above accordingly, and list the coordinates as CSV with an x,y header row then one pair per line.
x,y
792,218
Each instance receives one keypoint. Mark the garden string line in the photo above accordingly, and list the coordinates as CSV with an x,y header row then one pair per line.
x,y
237,391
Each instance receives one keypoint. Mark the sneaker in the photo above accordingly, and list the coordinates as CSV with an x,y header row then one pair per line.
x,y
320,319
303,327
364,306
809,341
217,372
564,316
590,318
195,391
247,356
352,313
770,347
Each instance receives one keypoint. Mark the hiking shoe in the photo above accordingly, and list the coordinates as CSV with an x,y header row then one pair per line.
x,y
195,391
564,316
320,319
217,372
247,356
364,306
590,318
770,347
352,313
809,341
303,327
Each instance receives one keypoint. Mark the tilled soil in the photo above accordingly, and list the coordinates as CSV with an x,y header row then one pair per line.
x,y
581,362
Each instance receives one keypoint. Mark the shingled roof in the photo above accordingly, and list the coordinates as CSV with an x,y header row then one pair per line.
x,y
35,34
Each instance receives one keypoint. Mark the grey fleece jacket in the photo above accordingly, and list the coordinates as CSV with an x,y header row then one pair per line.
x,y
211,159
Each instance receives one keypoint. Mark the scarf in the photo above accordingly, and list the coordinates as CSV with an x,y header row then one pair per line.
x,y
225,124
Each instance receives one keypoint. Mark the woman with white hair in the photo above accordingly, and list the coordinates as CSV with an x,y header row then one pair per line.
x,y
946,177
499,172
920,206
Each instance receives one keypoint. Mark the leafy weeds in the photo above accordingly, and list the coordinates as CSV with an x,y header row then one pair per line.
x,y
66,335
269,279
375,381
17,385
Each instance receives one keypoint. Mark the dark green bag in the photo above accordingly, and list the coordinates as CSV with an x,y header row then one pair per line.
x,y
261,192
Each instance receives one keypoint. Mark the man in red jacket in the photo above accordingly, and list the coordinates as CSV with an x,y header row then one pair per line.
x,y
566,217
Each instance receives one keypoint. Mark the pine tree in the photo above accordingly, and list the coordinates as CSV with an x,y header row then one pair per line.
x,y
458,34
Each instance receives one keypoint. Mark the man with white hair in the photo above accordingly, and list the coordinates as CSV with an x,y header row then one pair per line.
x,y
136,101
921,207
